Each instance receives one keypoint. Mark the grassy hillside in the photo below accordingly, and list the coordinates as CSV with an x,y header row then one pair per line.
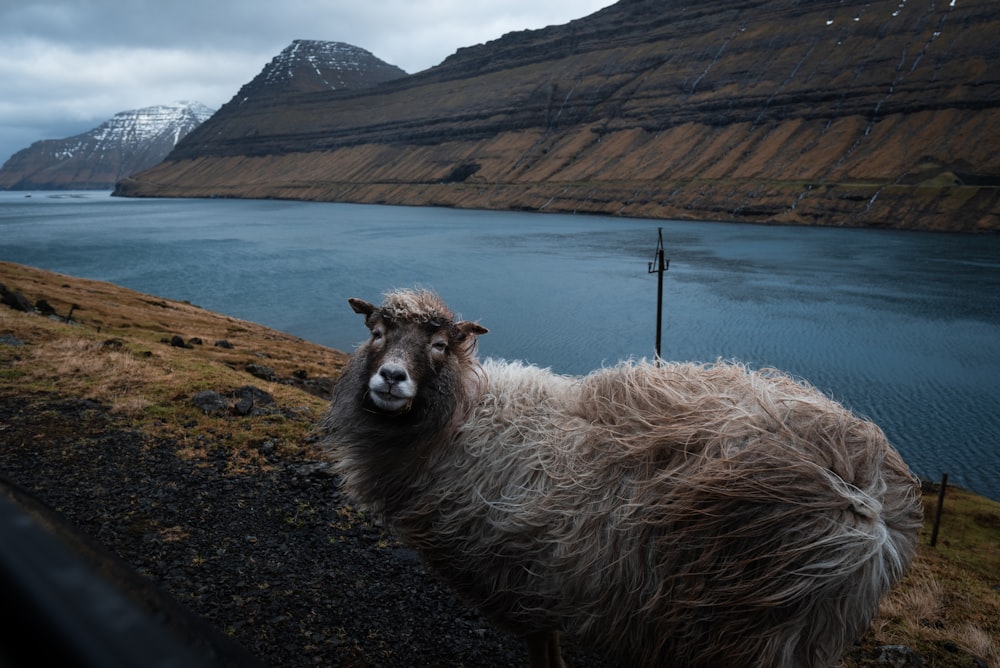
x,y
117,353
117,346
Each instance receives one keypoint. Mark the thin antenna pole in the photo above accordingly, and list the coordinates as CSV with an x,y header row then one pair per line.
x,y
659,265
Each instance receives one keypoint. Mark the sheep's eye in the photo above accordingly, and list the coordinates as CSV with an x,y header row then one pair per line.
x,y
377,334
440,346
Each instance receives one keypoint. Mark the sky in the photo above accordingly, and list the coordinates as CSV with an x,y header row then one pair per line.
x,y
66,66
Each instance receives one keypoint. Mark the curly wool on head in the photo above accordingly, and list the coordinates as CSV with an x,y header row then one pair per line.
x,y
421,306
685,514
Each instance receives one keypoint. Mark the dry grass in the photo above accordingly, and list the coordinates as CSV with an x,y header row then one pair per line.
x,y
921,599
947,608
945,625
980,643
105,311
94,370
114,352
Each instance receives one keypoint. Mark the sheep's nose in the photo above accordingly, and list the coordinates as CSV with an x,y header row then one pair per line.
x,y
393,373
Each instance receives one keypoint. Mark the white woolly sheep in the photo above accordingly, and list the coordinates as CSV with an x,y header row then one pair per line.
x,y
683,514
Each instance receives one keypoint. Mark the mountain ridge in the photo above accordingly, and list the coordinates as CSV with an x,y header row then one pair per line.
x,y
873,114
128,142
305,68
314,65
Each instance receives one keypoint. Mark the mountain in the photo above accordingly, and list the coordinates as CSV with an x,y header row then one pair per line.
x,y
307,66
129,142
831,112
303,70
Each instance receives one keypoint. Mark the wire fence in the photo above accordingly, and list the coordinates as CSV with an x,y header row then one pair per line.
x,y
963,526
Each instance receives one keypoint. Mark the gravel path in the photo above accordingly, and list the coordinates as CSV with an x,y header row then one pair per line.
x,y
269,553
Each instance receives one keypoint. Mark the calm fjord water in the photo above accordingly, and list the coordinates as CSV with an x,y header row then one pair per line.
x,y
902,327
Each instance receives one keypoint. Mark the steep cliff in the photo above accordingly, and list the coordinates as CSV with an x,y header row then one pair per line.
x,y
129,142
832,112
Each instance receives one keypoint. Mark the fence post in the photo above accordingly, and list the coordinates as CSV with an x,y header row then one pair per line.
x,y
940,506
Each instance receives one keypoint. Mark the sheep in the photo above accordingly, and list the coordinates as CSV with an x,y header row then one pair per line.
x,y
662,514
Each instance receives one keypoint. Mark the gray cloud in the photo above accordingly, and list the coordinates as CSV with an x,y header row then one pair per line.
x,y
68,65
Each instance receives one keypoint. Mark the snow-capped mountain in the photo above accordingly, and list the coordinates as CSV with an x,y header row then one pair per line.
x,y
303,68
129,142
311,65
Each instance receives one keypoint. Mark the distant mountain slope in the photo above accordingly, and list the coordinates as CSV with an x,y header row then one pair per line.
x,y
832,112
304,69
129,142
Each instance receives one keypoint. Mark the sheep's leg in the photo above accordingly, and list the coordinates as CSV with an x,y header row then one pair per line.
x,y
543,650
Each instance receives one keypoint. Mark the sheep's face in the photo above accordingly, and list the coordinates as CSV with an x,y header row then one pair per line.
x,y
412,345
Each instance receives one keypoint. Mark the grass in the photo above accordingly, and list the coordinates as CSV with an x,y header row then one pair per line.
x,y
947,608
94,370
116,352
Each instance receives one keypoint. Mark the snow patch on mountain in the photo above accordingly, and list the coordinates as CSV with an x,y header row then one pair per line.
x,y
140,126
329,60
128,142
309,66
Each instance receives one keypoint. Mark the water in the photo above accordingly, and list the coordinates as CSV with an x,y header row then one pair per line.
x,y
901,327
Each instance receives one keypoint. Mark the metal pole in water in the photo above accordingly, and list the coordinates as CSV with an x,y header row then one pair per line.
x,y
659,265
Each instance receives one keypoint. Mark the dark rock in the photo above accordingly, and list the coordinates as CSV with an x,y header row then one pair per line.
x,y
461,173
253,401
10,340
195,341
223,343
247,401
407,555
178,341
15,300
897,656
315,470
319,386
211,402
44,307
262,372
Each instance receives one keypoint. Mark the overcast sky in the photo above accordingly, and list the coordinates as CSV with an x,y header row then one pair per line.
x,y
68,65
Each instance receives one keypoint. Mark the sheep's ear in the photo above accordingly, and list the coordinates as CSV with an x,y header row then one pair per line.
x,y
361,306
467,328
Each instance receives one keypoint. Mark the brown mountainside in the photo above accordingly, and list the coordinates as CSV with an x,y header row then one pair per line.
x,y
878,113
